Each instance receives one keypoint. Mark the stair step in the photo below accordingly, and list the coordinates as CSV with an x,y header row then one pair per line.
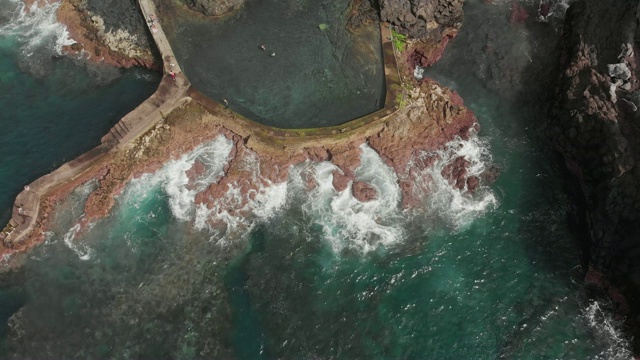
x,y
120,129
116,133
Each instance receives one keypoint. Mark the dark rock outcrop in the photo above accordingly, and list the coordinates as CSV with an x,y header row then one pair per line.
x,y
214,7
361,13
423,18
595,127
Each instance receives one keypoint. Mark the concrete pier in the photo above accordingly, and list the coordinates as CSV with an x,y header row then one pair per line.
x,y
170,94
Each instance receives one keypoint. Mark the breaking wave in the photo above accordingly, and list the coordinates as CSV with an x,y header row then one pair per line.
x,y
173,179
456,208
83,251
349,223
346,223
35,27
553,8
239,210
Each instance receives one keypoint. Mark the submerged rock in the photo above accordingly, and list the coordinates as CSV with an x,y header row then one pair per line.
x,y
214,7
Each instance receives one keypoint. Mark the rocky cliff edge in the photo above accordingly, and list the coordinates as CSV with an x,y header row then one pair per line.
x,y
595,126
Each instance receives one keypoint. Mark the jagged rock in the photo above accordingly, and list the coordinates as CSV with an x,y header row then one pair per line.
x,y
361,13
423,18
600,151
363,192
619,71
215,7
456,172
111,32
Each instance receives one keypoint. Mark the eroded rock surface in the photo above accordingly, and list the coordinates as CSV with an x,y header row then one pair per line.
x,y
112,32
594,126
423,18
214,7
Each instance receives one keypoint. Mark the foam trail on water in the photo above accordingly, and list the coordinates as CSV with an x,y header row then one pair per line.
x,y
349,223
608,331
37,27
457,208
83,251
172,177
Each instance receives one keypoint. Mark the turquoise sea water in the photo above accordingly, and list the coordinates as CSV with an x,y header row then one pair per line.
x,y
315,274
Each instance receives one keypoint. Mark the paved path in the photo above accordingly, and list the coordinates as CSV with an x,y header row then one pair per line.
x,y
170,94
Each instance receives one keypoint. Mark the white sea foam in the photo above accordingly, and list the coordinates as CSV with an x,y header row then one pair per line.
x,y
239,210
83,251
173,178
37,27
348,223
607,330
456,208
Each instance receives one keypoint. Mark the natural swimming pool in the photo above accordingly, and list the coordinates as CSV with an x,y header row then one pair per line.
x,y
312,72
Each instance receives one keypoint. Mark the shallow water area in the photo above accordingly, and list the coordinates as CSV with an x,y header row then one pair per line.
x,y
313,71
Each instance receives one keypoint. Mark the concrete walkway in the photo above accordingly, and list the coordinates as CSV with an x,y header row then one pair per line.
x,y
170,94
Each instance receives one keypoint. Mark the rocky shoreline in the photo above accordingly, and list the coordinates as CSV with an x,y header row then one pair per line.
x,y
428,118
433,116
108,32
592,124
594,128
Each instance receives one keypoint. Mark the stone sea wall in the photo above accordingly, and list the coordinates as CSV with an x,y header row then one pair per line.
x,y
594,126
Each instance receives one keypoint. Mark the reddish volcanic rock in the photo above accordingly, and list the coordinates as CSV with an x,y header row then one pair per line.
x,y
197,169
456,172
308,177
91,42
340,180
425,54
473,183
430,120
363,192
431,117
518,13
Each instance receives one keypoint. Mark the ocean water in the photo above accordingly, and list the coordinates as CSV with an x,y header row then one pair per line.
x,y
52,109
317,274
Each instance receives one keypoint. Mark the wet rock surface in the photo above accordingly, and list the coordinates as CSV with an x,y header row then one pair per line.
x,y
594,126
214,7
